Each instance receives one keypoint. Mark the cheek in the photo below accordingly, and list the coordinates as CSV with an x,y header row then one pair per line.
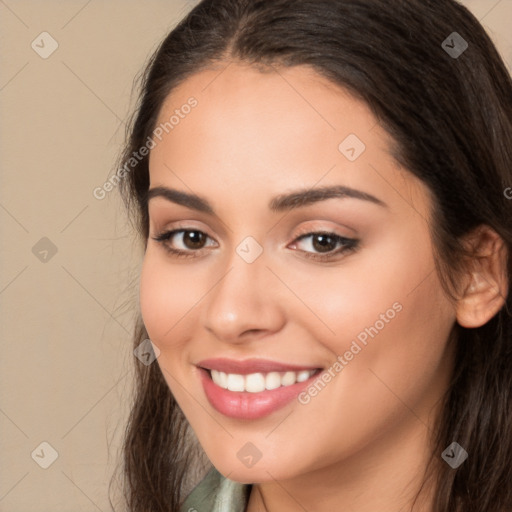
x,y
389,310
377,281
394,330
166,297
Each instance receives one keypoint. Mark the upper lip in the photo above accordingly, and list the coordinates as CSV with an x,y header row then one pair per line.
x,y
247,366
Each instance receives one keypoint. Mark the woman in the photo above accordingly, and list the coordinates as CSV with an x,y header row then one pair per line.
x,y
320,190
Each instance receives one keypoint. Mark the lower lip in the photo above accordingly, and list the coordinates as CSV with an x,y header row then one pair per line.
x,y
250,406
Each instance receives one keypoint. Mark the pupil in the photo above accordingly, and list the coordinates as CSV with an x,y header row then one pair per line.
x,y
193,239
324,243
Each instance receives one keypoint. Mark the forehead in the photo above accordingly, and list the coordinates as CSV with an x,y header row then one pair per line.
x,y
270,127
278,94
292,110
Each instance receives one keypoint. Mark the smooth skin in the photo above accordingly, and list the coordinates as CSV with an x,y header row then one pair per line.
x,y
362,443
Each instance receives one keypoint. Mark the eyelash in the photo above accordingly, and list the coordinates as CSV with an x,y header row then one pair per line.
x,y
349,244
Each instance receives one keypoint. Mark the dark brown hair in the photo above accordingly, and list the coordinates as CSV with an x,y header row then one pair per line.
x,y
451,124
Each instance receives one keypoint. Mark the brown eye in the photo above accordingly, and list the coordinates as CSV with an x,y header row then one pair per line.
x,y
184,242
193,239
321,246
324,243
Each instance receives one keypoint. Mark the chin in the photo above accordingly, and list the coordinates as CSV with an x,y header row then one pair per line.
x,y
260,472
252,475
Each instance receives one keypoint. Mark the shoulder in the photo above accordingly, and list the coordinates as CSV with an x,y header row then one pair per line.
x,y
216,493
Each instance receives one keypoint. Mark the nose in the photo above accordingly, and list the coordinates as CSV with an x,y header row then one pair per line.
x,y
244,302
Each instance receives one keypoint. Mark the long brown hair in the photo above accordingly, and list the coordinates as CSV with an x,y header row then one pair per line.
x,y
450,118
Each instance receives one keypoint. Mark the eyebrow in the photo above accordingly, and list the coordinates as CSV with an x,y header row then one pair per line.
x,y
284,202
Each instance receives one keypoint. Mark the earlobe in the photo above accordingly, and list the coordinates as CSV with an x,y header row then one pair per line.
x,y
487,285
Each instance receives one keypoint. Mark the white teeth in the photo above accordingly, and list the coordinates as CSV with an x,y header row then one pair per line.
x,y
272,380
302,376
235,382
288,378
255,382
223,379
258,382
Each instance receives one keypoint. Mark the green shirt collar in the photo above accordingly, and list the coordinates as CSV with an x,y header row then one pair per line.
x,y
216,493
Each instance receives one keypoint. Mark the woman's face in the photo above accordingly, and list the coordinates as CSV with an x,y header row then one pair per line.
x,y
277,280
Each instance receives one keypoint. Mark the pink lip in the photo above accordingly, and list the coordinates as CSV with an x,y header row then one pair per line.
x,y
246,366
244,405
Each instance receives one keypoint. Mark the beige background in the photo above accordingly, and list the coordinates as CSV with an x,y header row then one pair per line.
x,y
66,322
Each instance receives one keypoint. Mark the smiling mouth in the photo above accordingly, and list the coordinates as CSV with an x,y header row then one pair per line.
x,y
259,382
254,388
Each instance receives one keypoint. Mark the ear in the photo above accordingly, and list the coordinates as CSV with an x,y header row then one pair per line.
x,y
486,285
